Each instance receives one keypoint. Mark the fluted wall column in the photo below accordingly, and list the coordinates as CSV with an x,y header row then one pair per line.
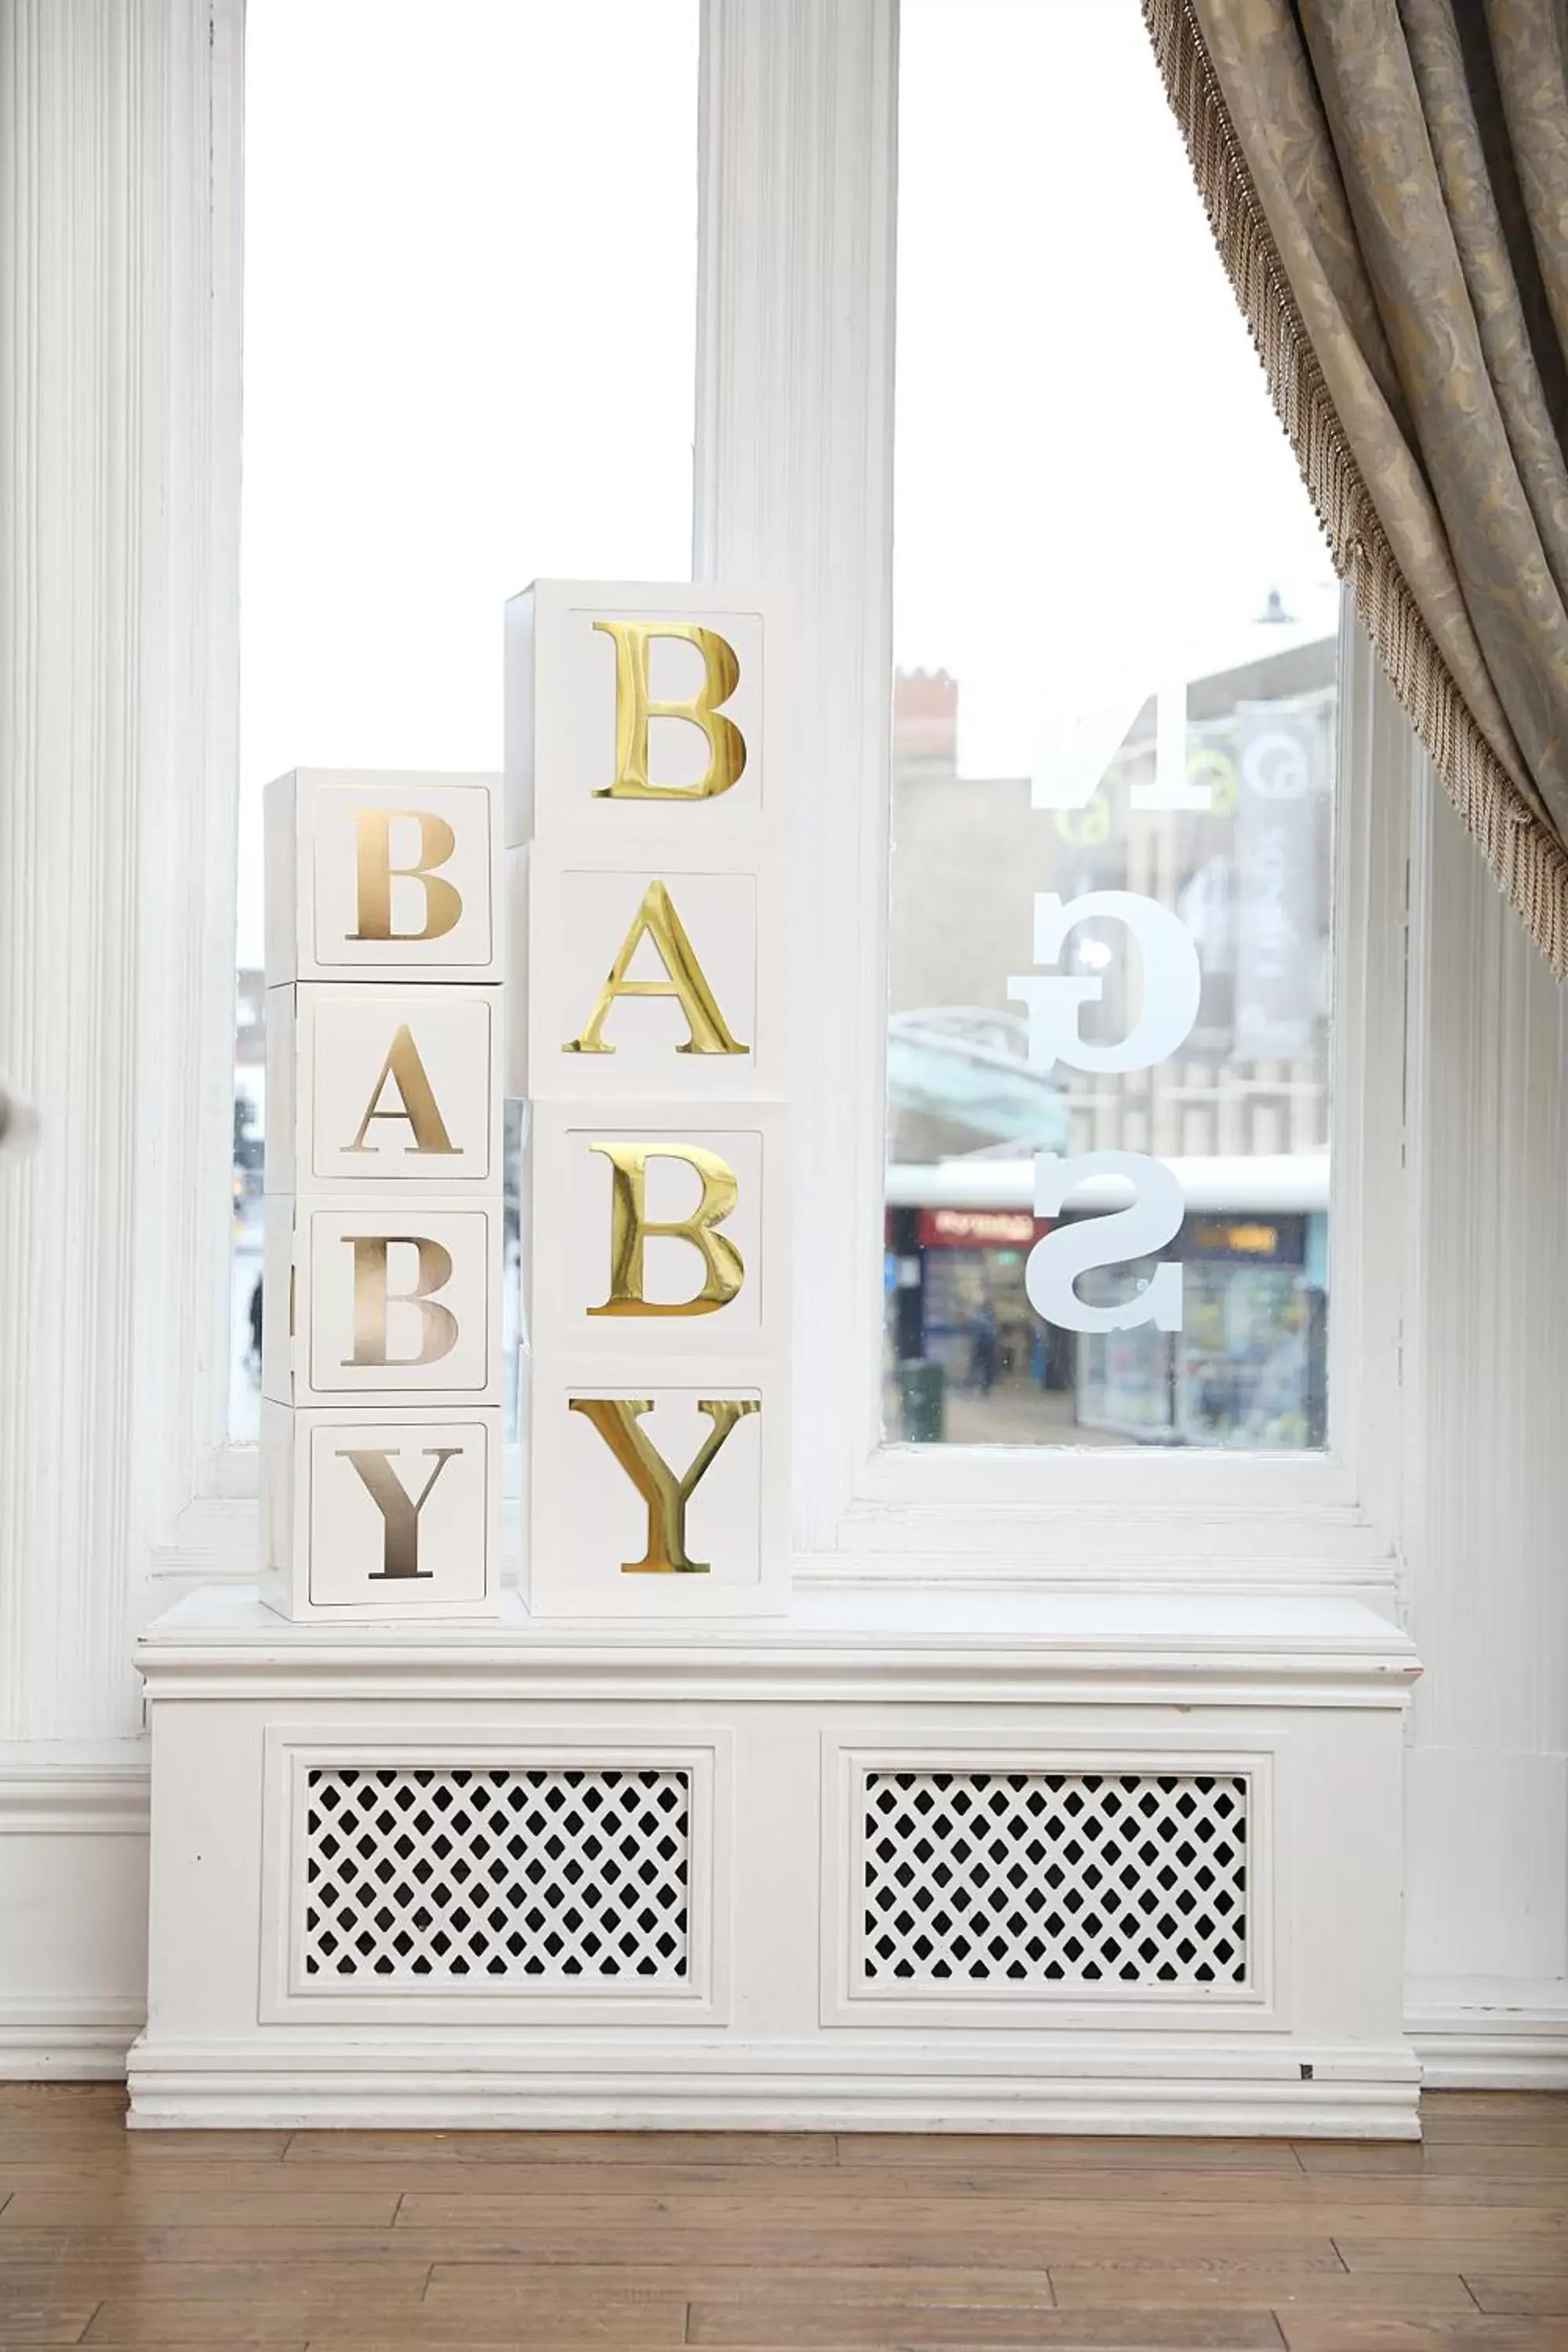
x,y
119,480
794,488
1486,1477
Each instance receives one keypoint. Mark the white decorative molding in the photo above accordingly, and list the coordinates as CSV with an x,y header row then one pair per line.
x,y
119,483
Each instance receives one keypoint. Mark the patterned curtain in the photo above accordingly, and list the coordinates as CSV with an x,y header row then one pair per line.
x,y
1387,181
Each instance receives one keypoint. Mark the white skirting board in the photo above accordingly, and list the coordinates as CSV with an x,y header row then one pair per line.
x,y
73,1907
1474,2033
500,2082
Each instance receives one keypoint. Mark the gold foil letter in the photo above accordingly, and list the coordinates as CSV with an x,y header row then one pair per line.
x,y
437,1324
657,919
416,1100
398,1509
374,871
617,1418
634,709
724,1269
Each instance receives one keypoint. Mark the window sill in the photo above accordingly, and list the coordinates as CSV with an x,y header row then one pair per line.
x,y
856,1643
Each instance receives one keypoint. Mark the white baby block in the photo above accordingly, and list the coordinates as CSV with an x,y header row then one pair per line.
x,y
660,708
375,1515
395,1298
657,1491
384,876
657,1229
373,1083
648,974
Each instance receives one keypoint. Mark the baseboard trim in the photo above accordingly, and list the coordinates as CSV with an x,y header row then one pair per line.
x,y
297,2086
1460,2052
1477,2050
58,2042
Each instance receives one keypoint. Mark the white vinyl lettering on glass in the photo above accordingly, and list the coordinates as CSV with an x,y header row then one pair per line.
x,y
1153,1218
1114,720
1173,983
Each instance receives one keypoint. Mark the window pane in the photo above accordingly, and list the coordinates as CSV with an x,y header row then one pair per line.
x,y
471,264
1115,628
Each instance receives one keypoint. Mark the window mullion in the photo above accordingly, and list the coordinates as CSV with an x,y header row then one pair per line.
x,y
794,468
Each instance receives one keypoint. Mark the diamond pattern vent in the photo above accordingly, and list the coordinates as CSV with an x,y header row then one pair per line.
x,y
1059,1880
457,1876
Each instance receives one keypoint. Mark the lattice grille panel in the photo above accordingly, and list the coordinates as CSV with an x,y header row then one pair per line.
x,y
1061,1879
448,1876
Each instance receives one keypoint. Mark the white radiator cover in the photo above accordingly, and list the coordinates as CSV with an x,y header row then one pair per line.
x,y
1076,1864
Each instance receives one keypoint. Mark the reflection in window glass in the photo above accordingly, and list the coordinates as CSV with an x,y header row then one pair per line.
x,y
469,351
1114,623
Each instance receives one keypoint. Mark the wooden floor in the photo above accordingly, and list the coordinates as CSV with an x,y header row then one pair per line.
x,y
474,2240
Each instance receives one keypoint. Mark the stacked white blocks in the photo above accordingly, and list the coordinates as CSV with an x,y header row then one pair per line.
x,y
646,832
381,1340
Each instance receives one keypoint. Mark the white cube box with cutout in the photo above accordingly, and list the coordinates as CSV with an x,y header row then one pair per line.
x,y
369,1513
392,1298
388,876
381,1294
658,1488
652,972
646,817
373,1083
666,704
659,1228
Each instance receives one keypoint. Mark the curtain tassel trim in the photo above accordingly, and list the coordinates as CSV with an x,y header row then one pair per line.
x,y
1528,860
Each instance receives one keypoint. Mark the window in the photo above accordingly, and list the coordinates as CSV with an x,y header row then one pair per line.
x,y
469,354
1114,729
790,322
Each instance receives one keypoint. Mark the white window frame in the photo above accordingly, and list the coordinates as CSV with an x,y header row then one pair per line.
x,y
793,487
794,441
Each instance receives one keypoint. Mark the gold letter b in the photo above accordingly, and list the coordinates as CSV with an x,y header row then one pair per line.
x,y
374,871
724,1269
634,709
